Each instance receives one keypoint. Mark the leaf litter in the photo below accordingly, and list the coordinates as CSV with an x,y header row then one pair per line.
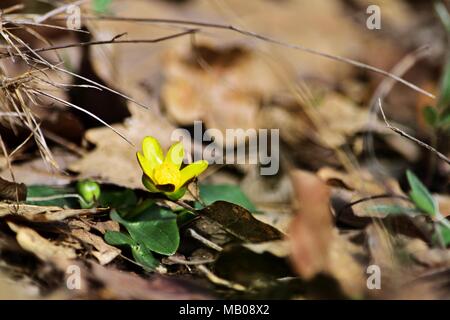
x,y
311,231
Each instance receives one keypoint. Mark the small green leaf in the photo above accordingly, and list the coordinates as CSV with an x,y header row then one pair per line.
x,y
117,238
420,195
156,228
431,116
144,257
225,192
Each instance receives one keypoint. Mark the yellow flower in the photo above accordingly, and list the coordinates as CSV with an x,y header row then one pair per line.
x,y
164,174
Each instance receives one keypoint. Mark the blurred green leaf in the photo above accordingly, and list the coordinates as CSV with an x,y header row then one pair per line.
x,y
444,122
225,192
444,98
431,116
156,228
101,6
420,195
56,196
442,234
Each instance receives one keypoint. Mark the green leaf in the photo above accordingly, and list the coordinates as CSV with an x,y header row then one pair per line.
x,y
117,238
122,200
56,196
420,195
442,233
444,99
144,257
431,116
101,6
225,192
140,253
156,228
444,122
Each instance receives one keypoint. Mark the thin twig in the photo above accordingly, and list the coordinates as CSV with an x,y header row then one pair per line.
x,y
203,240
102,42
82,110
265,39
405,64
189,262
184,205
405,135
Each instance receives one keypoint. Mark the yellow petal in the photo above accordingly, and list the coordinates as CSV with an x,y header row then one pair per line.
x,y
152,150
175,155
192,170
165,174
146,166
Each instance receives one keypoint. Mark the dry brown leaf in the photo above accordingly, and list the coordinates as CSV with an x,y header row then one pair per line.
x,y
311,231
212,85
361,181
103,226
36,171
45,250
12,191
42,213
339,119
127,285
104,252
343,266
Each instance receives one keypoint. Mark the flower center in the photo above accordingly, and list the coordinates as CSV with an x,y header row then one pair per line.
x,y
167,173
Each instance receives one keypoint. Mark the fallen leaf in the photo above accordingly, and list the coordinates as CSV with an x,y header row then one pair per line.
x,y
45,250
42,213
361,181
200,82
311,231
12,191
344,267
104,252
240,223
126,285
